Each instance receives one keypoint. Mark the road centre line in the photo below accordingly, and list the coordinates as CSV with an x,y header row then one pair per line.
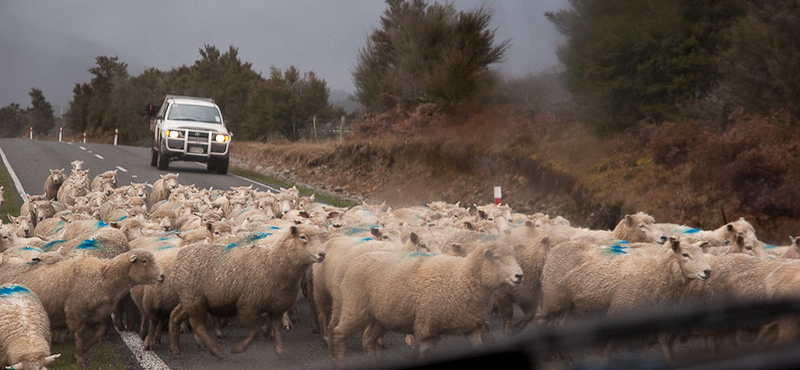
x,y
98,156
82,148
122,169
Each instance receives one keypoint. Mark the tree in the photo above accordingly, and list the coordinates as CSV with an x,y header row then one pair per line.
x,y
426,53
630,60
759,67
12,120
40,114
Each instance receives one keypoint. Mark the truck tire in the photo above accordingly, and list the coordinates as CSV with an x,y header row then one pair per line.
x,y
162,161
211,166
222,165
153,157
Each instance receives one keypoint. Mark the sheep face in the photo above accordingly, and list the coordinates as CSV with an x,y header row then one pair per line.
x,y
57,176
143,269
426,242
22,225
638,228
306,240
76,165
42,209
691,259
748,244
500,265
138,190
170,180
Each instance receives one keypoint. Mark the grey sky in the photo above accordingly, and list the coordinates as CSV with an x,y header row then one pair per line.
x,y
51,44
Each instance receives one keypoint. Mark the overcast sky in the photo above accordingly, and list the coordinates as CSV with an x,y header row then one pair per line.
x,y
51,44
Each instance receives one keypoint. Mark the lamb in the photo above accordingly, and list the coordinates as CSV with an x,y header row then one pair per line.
x,y
24,329
41,210
22,226
202,280
105,182
80,294
53,182
163,187
441,295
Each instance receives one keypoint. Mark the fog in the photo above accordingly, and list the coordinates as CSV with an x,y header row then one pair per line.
x,y
50,45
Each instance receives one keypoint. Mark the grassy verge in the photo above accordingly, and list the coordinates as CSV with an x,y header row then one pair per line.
x,y
280,184
105,355
12,199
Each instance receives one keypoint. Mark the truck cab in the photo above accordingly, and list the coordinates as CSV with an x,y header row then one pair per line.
x,y
189,128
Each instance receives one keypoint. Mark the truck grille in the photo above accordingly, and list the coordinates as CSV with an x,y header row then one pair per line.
x,y
198,135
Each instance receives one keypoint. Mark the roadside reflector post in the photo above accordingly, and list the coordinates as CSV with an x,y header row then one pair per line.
x,y
498,195
60,131
84,138
31,133
116,134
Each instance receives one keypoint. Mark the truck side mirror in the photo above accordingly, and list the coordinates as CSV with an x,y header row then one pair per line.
x,y
150,110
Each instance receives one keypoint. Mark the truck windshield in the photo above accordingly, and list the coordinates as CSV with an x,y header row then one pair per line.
x,y
196,113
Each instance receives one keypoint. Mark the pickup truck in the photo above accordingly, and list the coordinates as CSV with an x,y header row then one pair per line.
x,y
189,128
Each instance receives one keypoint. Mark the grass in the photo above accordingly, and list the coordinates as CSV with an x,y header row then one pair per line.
x,y
105,355
12,200
336,202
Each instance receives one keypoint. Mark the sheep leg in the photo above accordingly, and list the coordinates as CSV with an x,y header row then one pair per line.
x,y
152,328
251,320
346,328
176,318
219,326
99,332
667,342
475,337
426,346
276,335
505,308
80,333
369,340
197,318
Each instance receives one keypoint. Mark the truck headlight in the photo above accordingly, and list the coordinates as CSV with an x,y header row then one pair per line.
x,y
222,138
173,134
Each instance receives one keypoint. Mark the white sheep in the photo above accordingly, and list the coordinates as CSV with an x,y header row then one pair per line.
x,y
163,187
423,295
80,294
201,275
24,329
53,183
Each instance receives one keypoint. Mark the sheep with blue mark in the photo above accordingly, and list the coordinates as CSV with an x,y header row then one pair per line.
x,y
9,239
441,295
22,225
340,251
583,279
24,330
721,236
80,294
217,278
106,242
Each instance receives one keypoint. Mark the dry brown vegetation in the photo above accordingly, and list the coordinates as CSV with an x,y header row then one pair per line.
x,y
686,172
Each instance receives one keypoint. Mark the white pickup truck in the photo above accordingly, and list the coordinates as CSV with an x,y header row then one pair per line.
x,y
189,129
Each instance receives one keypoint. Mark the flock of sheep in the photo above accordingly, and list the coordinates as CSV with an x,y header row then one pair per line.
x,y
85,249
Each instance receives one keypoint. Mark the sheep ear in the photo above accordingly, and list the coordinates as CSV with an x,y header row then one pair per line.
x,y
134,257
375,232
15,366
704,246
469,225
629,219
294,230
457,249
545,242
674,244
11,218
482,214
529,223
730,227
414,238
488,253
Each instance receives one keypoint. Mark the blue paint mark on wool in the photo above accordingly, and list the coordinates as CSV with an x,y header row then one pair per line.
x,y
419,254
88,244
355,230
256,236
692,231
363,240
230,246
273,228
161,239
11,289
50,245
618,247
165,247
123,217
489,237
32,249
101,224
769,246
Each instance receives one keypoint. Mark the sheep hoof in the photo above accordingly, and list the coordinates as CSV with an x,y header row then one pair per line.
x,y
238,349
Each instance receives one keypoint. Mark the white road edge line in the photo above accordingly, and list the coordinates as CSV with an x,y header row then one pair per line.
x,y
14,177
122,169
147,359
150,186
98,156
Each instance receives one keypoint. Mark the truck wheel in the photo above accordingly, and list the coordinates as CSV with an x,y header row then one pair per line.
x,y
211,166
222,165
153,157
163,162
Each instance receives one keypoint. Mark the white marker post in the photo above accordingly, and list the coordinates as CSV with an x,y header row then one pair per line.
x,y
60,132
31,133
498,195
116,133
84,138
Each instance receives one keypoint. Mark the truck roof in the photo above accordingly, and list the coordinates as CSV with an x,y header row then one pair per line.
x,y
180,99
